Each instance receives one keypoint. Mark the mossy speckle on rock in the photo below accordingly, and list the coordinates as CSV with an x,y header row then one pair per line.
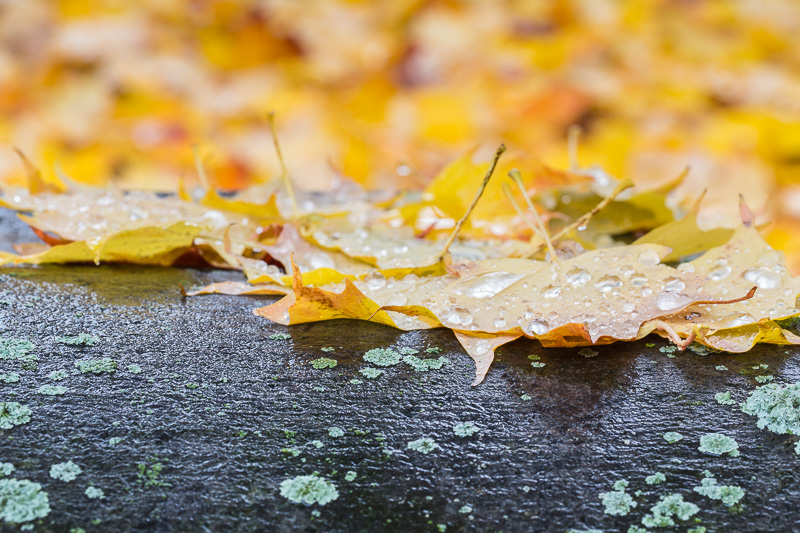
x,y
309,490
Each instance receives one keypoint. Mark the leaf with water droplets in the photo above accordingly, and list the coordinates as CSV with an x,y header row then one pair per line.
x,y
744,262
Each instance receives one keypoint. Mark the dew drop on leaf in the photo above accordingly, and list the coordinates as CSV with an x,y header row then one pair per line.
x,y
763,277
375,281
720,272
578,276
738,319
673,283
537,326
608,283
457,316
487,285
499,323
649,258
637,280
551,291
669,300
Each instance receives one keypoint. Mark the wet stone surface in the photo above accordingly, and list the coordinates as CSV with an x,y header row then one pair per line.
x,y
217,400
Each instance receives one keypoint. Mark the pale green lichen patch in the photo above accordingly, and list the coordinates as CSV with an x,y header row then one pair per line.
x,y
324,362
718,444
93,493
371,373
655,479
724,398
327,349
309,490
57,375
764,379
728,494
10,377
280,337
383,357
6,469
721,367
65,471
636,529
16,349
618,502
350,476
525,398
13,414
672,437
762,366
465,429
335,432
465,509
82,339
96,366
317,444
424,445
113,441
22,501
701,349
134,369
668,349
777,407
405,350
537,364
424,365
52,390
669,507
356,382
435,349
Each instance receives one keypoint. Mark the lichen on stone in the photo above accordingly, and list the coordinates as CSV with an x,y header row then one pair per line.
x,y
13,414
96,366
52,390
669,507
728,494
777,407
335,432
672,437
617,502
350,476
465,429
22,501
371,373
94,493
382,357
721,367
324,362
424,445
424,365
82,339
309,490
6,469
134,369
718,444
17,349
724,398
65,471
57,375
280,336
10,377
655,479
765,379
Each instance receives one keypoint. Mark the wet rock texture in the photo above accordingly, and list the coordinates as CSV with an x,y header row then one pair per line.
x,y
218,400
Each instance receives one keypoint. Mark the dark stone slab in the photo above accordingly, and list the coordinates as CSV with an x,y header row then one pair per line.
x,y
536,465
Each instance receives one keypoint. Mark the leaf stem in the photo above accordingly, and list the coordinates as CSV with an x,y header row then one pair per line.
x,y
287,182
457,229
517,177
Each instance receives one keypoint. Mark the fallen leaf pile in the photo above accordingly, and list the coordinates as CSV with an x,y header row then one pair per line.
x,y
114,92
475,262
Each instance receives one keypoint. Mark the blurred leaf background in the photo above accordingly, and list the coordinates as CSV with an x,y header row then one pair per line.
x,y
388,92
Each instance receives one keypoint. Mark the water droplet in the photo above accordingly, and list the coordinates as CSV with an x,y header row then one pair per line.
x,y
673,283
628,307
482,346
738,319
669,300
770,258
720,272
499,323
457,316
649,258
637,280
536,326
551,291
582,227
375,281
763,277
486,285
578,276
608,283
